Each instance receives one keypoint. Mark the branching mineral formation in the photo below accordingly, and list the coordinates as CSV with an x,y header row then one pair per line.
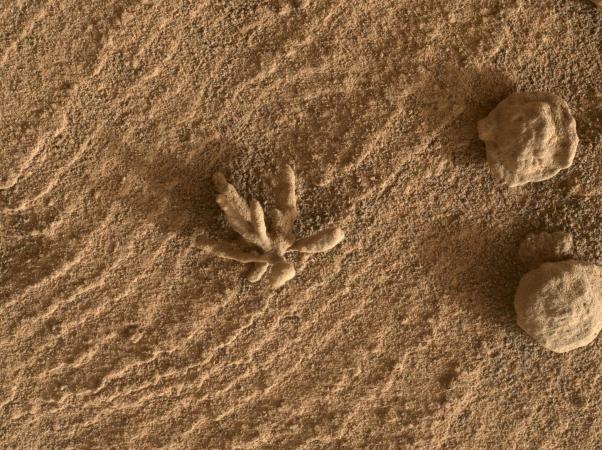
x,y
529,137
266,249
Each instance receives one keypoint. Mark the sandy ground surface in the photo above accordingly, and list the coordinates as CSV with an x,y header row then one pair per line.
x,y
116,332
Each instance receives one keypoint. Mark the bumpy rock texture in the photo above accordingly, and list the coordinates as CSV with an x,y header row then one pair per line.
x,y
538,248
559,304
529,137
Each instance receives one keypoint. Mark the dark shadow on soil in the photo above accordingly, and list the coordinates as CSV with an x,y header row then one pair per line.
x,y
176,193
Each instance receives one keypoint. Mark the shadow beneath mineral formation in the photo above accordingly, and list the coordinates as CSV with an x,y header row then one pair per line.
x,y
176,190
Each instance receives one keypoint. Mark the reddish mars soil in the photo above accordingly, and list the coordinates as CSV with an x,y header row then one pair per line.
x,y
117,332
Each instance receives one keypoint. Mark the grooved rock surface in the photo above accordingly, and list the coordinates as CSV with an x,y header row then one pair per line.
x,y
559,304
529,137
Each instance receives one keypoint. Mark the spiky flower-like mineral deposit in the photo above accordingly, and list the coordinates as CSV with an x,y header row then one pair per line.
x,y
267,248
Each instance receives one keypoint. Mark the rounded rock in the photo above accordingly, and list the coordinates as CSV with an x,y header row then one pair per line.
x,y
542,247
559,304
529,137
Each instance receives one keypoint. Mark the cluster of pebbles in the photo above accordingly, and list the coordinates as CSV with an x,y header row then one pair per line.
x,y
530,137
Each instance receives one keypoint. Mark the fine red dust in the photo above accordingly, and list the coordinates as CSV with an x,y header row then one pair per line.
x,y
117,332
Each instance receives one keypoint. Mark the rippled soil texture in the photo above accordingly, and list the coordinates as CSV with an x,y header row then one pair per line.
x,y
116,332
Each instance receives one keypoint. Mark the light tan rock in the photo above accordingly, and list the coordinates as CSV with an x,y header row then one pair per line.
x,y
529,137
538,248
559,304
598,3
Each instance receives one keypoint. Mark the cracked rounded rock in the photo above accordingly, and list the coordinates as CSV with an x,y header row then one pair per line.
x,y
559,304
529,137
